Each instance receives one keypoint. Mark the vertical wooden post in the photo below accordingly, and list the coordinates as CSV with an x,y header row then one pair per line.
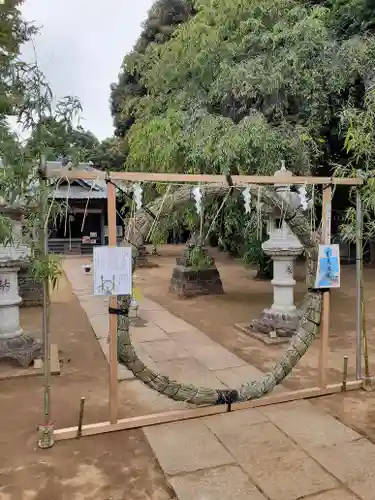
x,y
112,240
360,334
324,331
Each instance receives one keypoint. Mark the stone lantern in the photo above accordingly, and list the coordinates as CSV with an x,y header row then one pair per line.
x,y
14,344
279,322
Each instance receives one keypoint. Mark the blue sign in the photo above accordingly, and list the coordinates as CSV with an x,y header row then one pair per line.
x,y
328,270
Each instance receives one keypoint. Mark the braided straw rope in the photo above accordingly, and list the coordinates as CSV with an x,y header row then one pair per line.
x,y
306,332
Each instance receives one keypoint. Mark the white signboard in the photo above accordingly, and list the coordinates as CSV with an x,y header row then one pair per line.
x,y
112,270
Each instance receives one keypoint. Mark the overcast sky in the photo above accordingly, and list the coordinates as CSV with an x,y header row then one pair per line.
x,y
81,48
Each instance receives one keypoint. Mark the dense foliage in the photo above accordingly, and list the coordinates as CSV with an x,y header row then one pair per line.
x,y
14,31
163,19
62,140
241,85
26,95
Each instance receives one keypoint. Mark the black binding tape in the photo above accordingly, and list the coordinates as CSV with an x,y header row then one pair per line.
x,y
227,396
118,311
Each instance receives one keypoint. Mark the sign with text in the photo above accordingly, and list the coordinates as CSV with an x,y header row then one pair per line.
x,y
328,270
112,270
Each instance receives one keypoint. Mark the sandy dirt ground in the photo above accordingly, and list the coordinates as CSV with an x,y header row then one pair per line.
x,y
245,298
122,466
106,467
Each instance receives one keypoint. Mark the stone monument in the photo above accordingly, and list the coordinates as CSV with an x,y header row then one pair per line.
x,y
190,278
14,344
279,322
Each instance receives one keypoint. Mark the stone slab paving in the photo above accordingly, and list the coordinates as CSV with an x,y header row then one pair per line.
x,y
290,451
220,483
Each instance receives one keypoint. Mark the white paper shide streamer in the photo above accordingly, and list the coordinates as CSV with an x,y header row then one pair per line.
x,y
197,194
137,189
302,191
247,199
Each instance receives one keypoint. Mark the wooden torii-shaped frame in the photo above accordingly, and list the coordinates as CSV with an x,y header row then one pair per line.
x,y
321,389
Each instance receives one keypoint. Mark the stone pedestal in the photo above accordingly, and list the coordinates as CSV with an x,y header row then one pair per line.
x,y
31,292
13,343
280,321
188,281
141,259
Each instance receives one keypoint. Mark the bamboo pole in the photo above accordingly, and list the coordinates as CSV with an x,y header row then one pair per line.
x,y
112,241
359,279
46,439
324,332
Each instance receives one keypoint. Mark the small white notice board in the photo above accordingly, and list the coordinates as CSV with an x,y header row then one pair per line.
x,y
112,270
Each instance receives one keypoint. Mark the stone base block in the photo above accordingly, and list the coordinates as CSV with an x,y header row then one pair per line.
x,y
266,339
142,259
187,282
283,324
272,327
24,349
30,291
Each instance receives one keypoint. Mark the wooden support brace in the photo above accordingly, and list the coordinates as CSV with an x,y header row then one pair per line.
x,y
114,424
324,330
112,240
201,411
199,178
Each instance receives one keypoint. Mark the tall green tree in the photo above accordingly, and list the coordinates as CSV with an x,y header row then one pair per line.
x,y
163,19
242,85
24,93
110,154
63,140
14,31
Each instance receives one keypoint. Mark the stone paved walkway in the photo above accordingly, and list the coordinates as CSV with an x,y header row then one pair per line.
x,y
283,452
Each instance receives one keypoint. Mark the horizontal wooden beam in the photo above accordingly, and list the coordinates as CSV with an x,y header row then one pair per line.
x,y
73,174
201,411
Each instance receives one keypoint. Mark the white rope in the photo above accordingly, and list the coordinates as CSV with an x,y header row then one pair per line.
x,y
201,218
66,209
312,210
156,220
124,223
217,215
259,216
59,181
53,199
131,219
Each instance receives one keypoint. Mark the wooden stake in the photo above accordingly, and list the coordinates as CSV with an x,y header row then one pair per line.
x,y
324,332
201,411
112,241
345,374
80,417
